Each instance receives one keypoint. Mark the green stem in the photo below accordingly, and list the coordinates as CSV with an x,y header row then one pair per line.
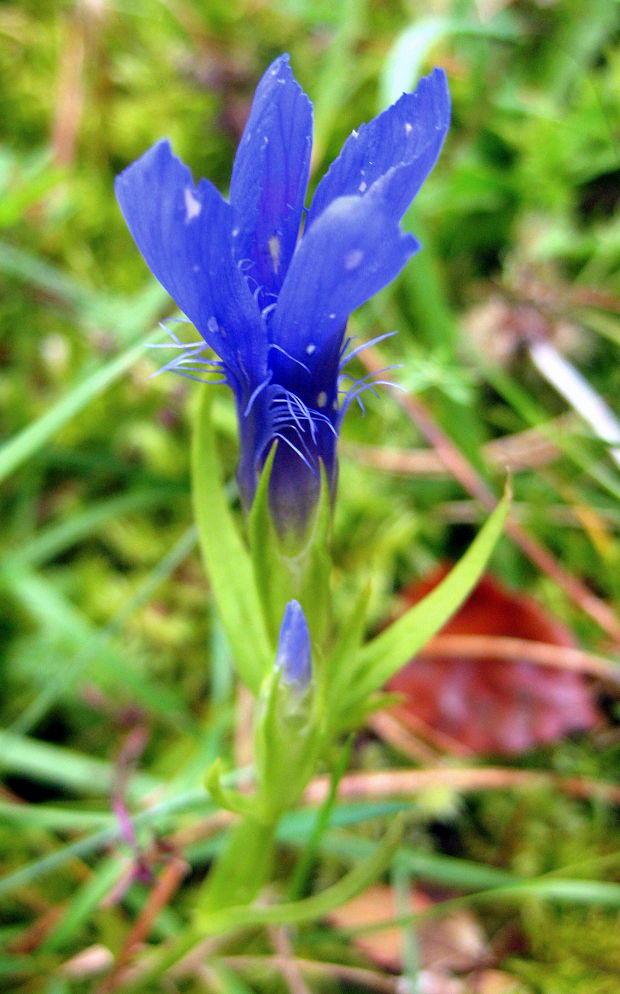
x,y
229,918
303,869
242,868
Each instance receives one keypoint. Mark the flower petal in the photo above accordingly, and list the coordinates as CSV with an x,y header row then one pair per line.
x,y
270,176
353,250
294,656
405,141
183,233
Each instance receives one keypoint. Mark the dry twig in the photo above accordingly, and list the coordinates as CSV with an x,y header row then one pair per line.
x,y
524,650
161,894
467,476
386,783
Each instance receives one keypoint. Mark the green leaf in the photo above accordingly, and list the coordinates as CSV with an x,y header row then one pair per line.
x,y
84,649
302,872
361,877
390,650
272,580
348,643
84,902
404,62
355,715
65,768
241,869
161,814
230,800
56,538
288,737
28,441
431,867
226,919
55,818
226,558
339,72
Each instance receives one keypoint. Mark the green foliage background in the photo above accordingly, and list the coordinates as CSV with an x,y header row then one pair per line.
x,y
106,625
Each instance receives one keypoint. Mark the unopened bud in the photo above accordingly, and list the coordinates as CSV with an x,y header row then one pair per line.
x,y
294,656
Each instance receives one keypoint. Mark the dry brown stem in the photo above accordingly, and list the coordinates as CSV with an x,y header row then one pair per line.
x,y
529,449
387,727
337,971
161,894
386,783
290,968
524,650
464,472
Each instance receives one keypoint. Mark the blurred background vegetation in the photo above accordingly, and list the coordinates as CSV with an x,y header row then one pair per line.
x,y
116,682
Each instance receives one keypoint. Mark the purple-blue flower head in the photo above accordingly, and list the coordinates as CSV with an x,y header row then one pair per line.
x,y
272,300
294,656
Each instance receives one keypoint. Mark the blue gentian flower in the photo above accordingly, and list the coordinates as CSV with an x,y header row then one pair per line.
x,y
273,306
294,656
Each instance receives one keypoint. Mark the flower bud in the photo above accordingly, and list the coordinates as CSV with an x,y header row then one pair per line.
x,y
294,656
289,723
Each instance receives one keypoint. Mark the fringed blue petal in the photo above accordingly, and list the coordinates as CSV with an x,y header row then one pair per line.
x,y
270,176
353,250
184,234
272,309
405,141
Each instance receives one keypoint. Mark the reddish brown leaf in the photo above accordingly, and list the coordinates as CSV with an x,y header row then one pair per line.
x,y
454,942
495,982
494,704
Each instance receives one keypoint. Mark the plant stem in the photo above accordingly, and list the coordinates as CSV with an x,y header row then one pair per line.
x,y
242,868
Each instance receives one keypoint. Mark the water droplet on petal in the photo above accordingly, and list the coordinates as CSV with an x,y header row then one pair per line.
x,y
193,207
274,252
353,258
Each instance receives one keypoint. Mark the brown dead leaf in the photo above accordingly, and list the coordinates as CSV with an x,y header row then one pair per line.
x,y
495,982
493,704
453,943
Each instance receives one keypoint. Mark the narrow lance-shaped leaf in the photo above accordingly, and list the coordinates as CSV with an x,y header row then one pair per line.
x,y
226,559
390,650
226,918
352,884
23,445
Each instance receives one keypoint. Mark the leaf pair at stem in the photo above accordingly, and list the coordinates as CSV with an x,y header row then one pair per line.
x,y
297,721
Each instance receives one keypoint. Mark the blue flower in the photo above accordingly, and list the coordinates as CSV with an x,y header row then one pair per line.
x,y
294,656
272,306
